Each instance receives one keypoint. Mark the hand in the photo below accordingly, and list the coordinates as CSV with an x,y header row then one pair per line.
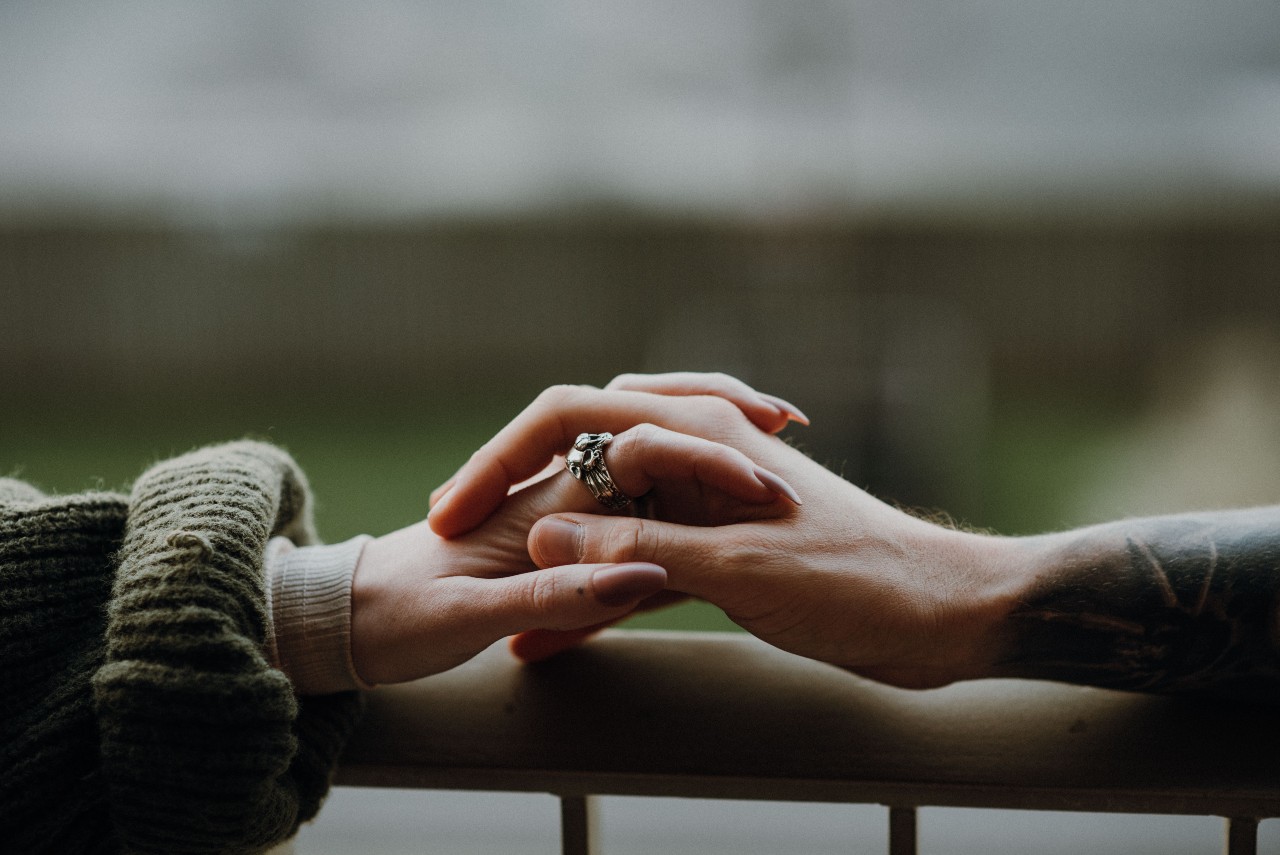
x,y
696,404
700,404
422,604
845,579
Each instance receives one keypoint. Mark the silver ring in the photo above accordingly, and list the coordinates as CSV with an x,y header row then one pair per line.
x,y
585,461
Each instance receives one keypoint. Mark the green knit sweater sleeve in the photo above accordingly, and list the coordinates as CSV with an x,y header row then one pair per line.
x,y
56,567
204,747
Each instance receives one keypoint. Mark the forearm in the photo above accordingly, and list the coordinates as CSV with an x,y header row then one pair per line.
x,y
1184,604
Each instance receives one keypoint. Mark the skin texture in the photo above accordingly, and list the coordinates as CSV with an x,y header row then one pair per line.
x,y
1181,604
710,406
842,577
422,603
1184,604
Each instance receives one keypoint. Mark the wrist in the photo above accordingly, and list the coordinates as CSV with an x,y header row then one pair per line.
x,y
373,615
395,610
309,591
986,576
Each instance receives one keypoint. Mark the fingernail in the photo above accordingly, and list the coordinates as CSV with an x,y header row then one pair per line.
x,y
441,502
791,410
619,584
777,485
559,542
440,492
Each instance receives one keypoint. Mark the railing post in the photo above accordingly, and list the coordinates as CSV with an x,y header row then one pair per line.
x,y
579,825
902,831
1242,836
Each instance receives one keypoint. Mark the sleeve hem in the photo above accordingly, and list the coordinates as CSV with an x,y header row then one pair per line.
x,y
310,596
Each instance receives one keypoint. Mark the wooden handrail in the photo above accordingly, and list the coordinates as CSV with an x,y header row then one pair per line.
x,y
725,716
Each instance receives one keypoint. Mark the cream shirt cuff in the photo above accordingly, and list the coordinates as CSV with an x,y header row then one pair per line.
x,y
309,598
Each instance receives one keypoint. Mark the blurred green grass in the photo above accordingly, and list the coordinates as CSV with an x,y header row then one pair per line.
x,y
1038,456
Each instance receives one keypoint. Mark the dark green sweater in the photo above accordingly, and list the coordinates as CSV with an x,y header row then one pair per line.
x,y
137,711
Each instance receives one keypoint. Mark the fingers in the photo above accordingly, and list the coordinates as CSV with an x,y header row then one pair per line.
x,y
548,427
694,557
793,413
438,492
539,644
535,645
573,597
551,469
647,454
767,412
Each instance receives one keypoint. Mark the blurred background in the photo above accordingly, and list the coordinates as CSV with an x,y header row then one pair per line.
x,y
1018,262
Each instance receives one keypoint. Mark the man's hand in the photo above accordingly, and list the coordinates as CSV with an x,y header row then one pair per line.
x,y
843,578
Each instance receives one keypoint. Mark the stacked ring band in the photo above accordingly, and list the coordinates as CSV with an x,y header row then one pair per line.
x,y
585,461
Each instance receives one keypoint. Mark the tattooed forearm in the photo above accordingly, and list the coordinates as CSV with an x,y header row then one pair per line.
x,y
1174,604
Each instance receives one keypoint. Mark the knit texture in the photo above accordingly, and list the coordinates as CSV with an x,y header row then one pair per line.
x,y
140,714
55,579
309,589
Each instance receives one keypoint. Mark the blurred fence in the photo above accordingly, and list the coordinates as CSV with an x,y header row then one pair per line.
x,y
895,335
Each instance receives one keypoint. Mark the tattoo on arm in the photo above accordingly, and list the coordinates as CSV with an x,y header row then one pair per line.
x,y
1183,604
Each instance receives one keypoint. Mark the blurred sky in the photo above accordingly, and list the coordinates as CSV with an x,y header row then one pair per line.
x,y
278,109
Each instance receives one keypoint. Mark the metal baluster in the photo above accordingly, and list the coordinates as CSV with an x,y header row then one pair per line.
x,y
579,825
902,831
1242,836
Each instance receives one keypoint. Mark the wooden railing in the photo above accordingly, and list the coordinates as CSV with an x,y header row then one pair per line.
x,y
725,716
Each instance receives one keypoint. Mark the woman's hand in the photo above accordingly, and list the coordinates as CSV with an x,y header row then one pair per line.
x,y
422,604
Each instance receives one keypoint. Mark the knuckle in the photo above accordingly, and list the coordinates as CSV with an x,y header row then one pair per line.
x,y
719,378
553,396
644,434
622,541
543,592
726,457
635,442
624,381
729,384
718,408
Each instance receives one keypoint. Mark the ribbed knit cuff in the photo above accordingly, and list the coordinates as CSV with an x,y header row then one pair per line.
x,y
310,602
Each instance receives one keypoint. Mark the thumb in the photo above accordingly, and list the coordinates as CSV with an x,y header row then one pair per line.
x,y
570,597
690,554
536,645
